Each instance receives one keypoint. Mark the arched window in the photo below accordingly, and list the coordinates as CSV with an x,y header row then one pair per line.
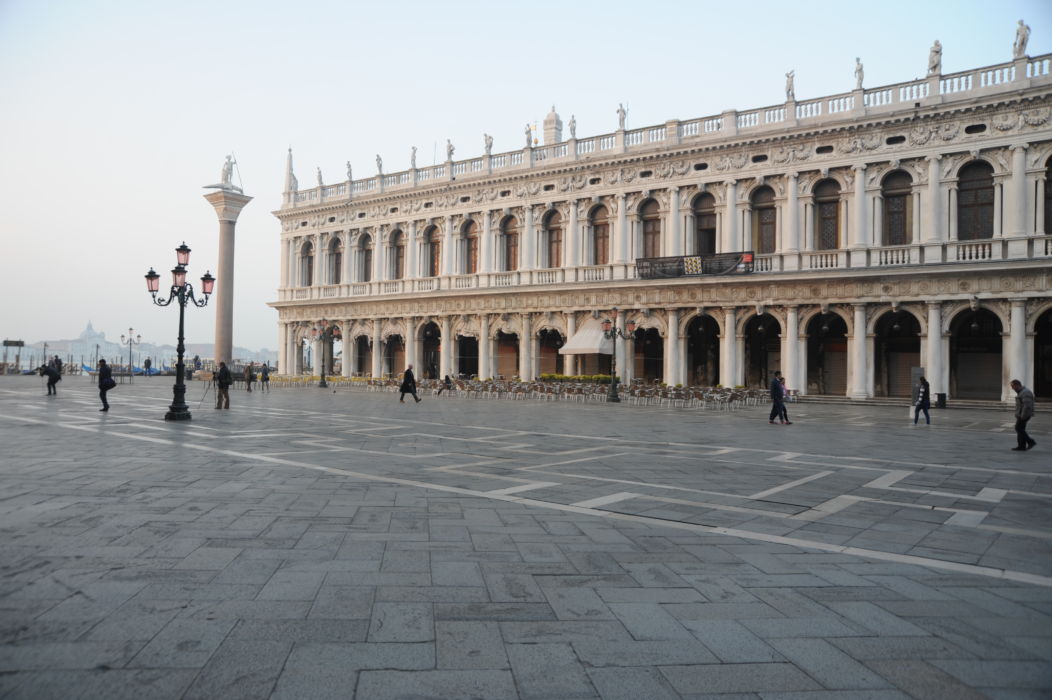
x,y
335,261
553,234
434,252
764,218
365,257
471,248
705,225
600,236
509,229
307,265
827,215
651,217
898,208
397,255
975,202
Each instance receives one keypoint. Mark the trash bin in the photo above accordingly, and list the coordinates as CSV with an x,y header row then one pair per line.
x,y
940,401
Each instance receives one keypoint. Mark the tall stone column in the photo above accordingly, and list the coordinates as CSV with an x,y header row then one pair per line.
x,y
621,235
1017,355
410,344
859,227
570,361
445,361
622,347
675,240
412,269
228,205
573,238
283,347
486,244
346,368
528,254
730,217
524,345
933,218
673,362
935,350
1016,224
858,354
448,249
485,371
319,256
729,348
378,351
791,347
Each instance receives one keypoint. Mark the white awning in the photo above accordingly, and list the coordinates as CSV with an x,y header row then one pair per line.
x,y
588,340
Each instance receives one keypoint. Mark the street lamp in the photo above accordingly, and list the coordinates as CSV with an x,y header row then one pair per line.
x,y
131,341
612,332
183,292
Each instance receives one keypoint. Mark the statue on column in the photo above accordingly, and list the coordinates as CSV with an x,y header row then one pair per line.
x,y
412,158
227,175
858,74
449,150
379,165
529,135
790,93
350,177
621,114
320,183
935,59
1022,36
488,140
573,127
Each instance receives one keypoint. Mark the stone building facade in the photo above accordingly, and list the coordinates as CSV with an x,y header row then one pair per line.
x,y
874,231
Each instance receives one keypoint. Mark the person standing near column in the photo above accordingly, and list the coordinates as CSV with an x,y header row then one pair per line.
x,y
1024,411
223,382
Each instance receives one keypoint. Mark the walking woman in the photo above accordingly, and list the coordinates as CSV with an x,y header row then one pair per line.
x,y
106,383
923,401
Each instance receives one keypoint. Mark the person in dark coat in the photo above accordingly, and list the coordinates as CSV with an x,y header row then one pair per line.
x,y
785,395
447,385
777,398
1024,411
223,381
53,378
106,382
923,401
408,385
264,377
250,377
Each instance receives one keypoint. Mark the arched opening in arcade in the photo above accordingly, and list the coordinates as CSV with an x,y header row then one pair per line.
x,y
1042,356
975,355
304,357
467,360
703,351
364,356
896,348
549,361
394,355
506,355
649,355
431,351
763,352
334,355
827,355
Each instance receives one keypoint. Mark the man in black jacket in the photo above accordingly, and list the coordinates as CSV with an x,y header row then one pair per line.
x,y
53,378
223,382
408,385
106,383
777,397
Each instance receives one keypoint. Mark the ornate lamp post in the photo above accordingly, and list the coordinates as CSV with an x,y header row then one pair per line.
x,y
611,332
183,292
131,341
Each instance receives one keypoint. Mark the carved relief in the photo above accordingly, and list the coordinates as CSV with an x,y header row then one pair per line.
x,y
791,154
860,142
1035,117
728,161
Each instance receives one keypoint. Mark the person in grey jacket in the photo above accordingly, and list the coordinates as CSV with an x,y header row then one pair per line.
x,y
1024,411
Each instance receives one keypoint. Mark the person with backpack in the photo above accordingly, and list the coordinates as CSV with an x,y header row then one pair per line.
x,y
106,382
53,378
223,382
264,378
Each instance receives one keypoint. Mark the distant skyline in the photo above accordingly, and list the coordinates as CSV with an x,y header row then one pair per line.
x,y
118,113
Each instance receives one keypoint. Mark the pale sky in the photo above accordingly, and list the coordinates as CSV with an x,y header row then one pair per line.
x,y
115,113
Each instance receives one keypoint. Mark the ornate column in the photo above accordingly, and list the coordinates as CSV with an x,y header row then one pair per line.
x,y
675,240
625,363
528,255
860,233
953,233
933,220
350,352
999,206
228,205
486,246
858,354
1017,211
1039,219
1017,345
445,362
672,371
621,236
448,248
379,255
535,357
730,218
525,337
317,355
319,256
572,239
934,368
412,269
570,361
791,347
411,343
283,347
378,351
485,371
346,368
729,348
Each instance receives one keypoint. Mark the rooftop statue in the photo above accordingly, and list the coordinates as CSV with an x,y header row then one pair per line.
x,y
379,165
935,59
621,114
1022,36
529,135
488,140
859,74
449,149
226,177
790,92
412,159
573,127
350,177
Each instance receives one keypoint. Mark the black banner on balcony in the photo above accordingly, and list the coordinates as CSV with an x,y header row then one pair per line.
x,y
695,265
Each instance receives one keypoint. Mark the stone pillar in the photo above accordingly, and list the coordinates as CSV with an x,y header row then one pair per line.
x,y
528,254
346,366
625,364
448,249
317,355
672,371
228,205
621,235
792,215
729,348
378,351
934,368
570,361
571,238
860,234
319,256
486,246
790,348
283,268
1039,219
445,363
535,357
379,256
1016,211
411,344
485,371
858,354
933,216
525,336
675,239
350,353
1017,345
730,218
411,249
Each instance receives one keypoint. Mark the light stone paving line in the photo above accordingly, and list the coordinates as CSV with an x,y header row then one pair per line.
x,y
789,485
990,572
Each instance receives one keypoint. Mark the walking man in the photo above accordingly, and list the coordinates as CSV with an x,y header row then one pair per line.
x,y
408,385
264,378
1024,411
106,382
53,377
223,382
250,377
777,399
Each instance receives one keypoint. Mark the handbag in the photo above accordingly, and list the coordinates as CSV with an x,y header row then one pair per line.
x,y
108,383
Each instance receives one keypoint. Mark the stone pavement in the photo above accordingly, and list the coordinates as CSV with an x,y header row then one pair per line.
x,y
312,544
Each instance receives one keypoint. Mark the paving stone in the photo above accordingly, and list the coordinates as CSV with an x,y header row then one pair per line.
x,y
578,604
469,645
632,653
112,684
325,670
184,643
549,671
489,684
731,641
402,622
737,678
648,621
922,680
875,648
631,684
999,674
875,619
827,664
241,669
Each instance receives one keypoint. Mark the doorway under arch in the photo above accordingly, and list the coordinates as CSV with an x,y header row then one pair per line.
x,y
896,347
431,346
975,355
763,351
703,351
649,355
827,355
1042,356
